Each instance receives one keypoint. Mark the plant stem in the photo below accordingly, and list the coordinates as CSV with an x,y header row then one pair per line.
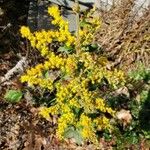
x,y
77,27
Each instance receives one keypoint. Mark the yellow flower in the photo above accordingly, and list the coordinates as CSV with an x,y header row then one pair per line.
x,y
54,11
100,105
24,78
88,131
102,123
25,31
44,112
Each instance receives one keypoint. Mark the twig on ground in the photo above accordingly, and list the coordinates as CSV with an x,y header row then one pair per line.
x,y
18,68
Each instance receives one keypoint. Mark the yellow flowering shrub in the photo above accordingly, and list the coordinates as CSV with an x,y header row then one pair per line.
x,y
78,99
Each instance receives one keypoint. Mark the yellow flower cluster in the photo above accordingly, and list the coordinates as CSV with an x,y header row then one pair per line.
x,y
115,77
88,131
64,121
97,70
102,123
44,111
73,92
34,76
74,100
41,39
100,105
64,34
54,62
25,32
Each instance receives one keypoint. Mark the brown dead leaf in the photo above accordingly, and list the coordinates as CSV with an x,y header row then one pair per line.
x,y
125,116
39,141
124,90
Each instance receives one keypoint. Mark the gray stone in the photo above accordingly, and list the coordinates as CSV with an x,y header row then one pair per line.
x,y
38,17
32,15
140,6
71,18
84,4
43,18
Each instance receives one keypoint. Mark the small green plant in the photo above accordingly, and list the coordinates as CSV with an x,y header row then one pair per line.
x,y
13,96
141,73
138,103
73,74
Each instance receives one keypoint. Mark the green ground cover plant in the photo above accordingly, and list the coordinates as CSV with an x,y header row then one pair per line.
x,y
137,131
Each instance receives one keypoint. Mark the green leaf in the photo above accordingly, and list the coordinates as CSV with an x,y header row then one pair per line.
x,y
69,132
94,46
72,133
13,96
46,74
65,49
107,135
84,23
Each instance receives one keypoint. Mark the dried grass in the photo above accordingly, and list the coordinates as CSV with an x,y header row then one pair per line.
x,y
124,36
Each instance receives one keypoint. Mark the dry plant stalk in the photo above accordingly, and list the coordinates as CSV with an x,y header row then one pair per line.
x,y
77,11
19,67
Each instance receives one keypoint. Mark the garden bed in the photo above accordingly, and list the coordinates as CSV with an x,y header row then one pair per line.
x,y
122,40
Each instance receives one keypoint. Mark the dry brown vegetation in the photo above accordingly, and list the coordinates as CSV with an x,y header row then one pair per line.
x,y
124,35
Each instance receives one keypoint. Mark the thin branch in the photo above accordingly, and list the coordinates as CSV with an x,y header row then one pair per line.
x,y
77,10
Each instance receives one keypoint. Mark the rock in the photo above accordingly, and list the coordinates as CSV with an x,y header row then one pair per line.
x,y
32,15
84,4
38,17
43,19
